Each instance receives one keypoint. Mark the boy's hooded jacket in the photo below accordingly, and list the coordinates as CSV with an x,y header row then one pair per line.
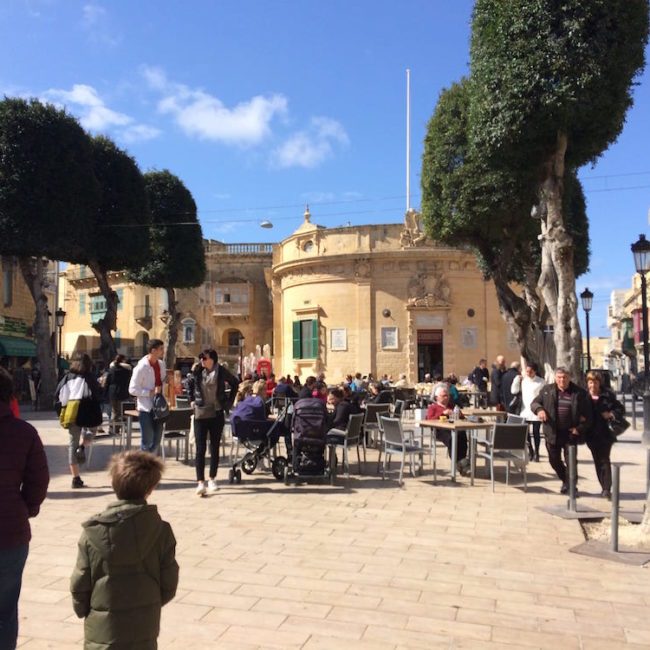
x,y
126,571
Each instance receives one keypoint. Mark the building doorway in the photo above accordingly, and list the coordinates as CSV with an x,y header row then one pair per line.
x,y
429,353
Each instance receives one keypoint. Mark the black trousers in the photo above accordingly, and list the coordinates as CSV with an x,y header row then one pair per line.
x,y
555,451
204,430
461,449
600,450
536,439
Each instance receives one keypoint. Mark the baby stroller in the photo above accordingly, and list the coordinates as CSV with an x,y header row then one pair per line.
x,y
308,428
258,437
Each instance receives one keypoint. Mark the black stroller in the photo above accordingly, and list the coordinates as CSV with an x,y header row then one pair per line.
x,y
259,437
308,428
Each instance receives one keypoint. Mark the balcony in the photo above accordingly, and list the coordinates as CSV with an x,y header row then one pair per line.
x,y
232,310
143,315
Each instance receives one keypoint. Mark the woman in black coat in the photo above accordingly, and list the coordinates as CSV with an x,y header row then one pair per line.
x,y
604,406
117,385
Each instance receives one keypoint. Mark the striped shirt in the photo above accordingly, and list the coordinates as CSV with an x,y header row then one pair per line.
x,y
564,422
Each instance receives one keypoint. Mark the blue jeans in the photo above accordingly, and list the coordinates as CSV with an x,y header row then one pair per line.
x,y
151,432
12,563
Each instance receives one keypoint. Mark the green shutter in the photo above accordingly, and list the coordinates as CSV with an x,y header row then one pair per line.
x,y
296,340
314,338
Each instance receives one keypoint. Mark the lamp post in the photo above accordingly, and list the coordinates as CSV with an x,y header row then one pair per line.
x,y
241,356
641,252
59,316
587,299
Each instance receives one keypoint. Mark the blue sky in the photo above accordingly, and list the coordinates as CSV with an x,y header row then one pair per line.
x,y
261,106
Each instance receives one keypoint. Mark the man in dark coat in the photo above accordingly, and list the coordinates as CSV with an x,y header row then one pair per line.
x,y
24,478
498,369
566,415
507,396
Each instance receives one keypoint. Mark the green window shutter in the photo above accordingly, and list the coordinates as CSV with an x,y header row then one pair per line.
x,y
82,304
120,297
314,338
297,348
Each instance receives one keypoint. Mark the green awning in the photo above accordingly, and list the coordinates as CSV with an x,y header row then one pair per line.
x,y
11,346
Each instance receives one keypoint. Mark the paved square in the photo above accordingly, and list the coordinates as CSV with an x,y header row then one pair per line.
x,y
364,565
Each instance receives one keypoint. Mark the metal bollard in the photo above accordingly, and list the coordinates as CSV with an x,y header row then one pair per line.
x,y
616,484
573,475
633,411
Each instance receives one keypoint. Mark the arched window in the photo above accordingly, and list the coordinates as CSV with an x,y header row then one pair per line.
x,y
189,329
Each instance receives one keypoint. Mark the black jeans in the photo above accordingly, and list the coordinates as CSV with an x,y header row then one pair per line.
x,y
461,447
535,439
12,563
562,444
600,450
204,429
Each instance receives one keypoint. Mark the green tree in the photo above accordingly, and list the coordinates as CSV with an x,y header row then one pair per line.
x,y
468,201
551,85
120,238
175,259
48,197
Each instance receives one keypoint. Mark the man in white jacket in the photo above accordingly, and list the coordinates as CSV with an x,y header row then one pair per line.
x,y
146,381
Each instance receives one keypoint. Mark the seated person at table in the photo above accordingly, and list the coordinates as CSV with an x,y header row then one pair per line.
x,y
352,398
442,406
320,391
308,388
250,406
339,417
378,395
284,389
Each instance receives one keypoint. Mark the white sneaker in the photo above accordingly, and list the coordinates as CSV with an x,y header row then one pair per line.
x,y
212,485
200,489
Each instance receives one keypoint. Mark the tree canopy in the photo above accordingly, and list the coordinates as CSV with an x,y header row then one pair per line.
x,y
49,194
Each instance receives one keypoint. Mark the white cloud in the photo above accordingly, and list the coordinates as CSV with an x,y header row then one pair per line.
x,y
96,22
204,116
85,102
93,14
309,148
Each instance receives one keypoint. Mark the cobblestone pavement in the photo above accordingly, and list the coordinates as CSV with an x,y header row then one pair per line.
x,y
364,565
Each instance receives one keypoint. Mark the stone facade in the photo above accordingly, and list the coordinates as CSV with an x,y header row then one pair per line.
x,y
384,299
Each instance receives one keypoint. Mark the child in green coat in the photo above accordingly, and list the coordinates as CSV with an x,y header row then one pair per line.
x,y
126,567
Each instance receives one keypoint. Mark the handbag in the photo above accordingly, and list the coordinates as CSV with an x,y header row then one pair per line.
x,y
617,426
160,408
69,412
90,413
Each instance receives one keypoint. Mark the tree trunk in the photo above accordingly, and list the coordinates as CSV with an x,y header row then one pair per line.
x,y
172,327
105,325
557,278
33,270
525,324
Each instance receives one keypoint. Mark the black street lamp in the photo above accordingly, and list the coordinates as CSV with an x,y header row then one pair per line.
x,y
641,252
59,319
241,356
587,299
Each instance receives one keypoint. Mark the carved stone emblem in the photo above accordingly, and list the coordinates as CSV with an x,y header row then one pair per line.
x,y
413,233
425,290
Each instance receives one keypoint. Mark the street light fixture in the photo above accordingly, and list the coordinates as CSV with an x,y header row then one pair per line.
x,y
59,319
641,252
241,356
587,299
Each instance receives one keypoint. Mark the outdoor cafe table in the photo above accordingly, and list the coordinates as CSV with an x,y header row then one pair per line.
x,y
130,414
455,426
489,413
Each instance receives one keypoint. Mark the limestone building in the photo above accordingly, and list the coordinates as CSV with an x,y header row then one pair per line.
x,y
381,299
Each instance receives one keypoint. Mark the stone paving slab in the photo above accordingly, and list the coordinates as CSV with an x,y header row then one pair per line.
x,y
362,565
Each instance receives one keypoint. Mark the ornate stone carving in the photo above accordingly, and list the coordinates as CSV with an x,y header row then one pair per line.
x,y
362,268
413,233
426,290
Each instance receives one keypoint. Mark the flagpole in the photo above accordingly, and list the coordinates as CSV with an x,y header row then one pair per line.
x,y
408,139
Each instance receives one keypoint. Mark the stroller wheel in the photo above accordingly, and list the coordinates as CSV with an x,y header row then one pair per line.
x,y
278,467
286,475
249,463
238,476
231,476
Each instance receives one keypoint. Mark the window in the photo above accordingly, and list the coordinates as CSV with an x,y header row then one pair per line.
x,y
233,339
82,304
97,308
120,298
189,327
117,337
227,294
305,339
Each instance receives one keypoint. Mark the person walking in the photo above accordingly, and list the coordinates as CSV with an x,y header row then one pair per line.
x,y
24,478
146,381
604,407
81,404
117,385
566,416
529,387
208,397
496,392
509,398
